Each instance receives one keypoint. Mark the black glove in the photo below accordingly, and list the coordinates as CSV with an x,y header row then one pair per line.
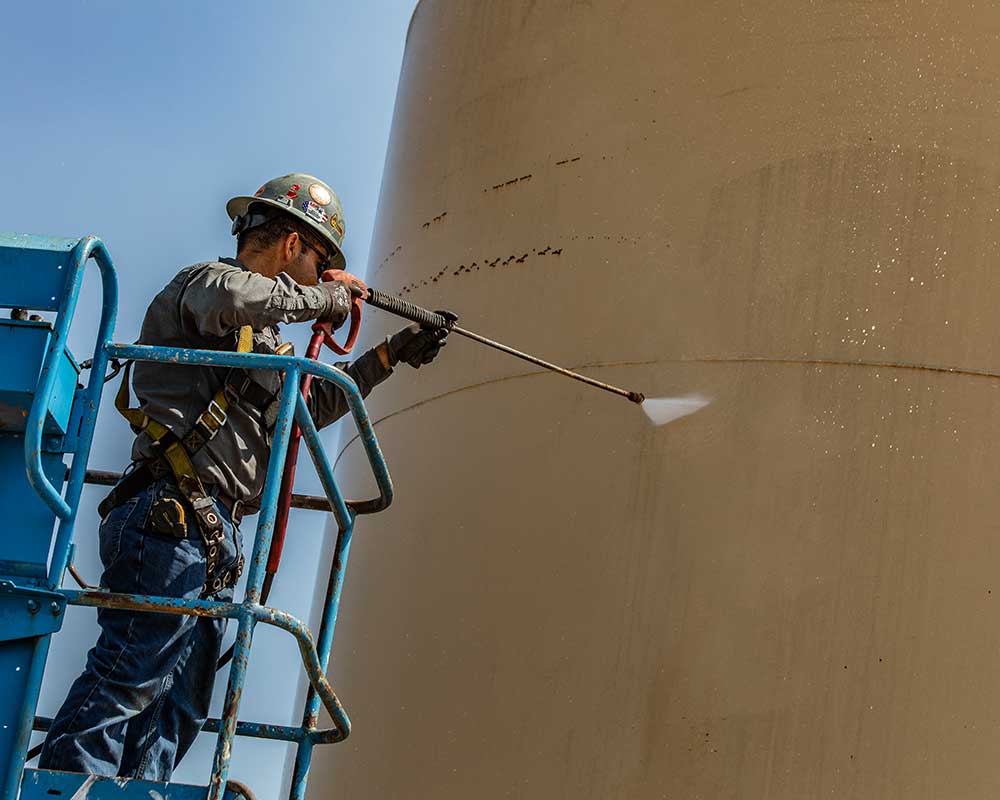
x,y
338,305
417,345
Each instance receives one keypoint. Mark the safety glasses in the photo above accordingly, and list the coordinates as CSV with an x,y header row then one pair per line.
x,y
325,260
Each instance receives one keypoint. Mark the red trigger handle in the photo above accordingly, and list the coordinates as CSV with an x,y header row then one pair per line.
x,y
357,303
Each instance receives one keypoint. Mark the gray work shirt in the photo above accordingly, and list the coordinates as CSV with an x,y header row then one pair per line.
x,y
204,307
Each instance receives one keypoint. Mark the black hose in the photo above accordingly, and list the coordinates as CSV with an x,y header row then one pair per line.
x,y
401,308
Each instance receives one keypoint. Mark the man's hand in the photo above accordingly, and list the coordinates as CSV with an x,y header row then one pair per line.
x,y
416,345
338,306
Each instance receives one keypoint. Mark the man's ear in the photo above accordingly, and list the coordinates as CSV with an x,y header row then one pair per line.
x,y
290,246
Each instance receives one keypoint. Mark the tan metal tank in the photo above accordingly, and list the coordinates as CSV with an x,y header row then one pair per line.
x,y
791,208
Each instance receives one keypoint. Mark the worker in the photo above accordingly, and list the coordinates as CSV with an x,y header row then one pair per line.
x,y
171,525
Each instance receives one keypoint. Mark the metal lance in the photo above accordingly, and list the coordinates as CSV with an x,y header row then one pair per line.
x,y
429,319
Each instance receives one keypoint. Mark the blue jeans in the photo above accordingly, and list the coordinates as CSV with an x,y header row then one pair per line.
x,y
145,691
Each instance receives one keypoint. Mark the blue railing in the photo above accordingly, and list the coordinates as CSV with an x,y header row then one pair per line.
x,y
65,509
50,280
249,612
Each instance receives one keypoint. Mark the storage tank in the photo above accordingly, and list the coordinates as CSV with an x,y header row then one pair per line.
x,y
787,208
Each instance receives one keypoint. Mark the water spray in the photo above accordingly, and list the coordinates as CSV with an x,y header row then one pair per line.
x,y
662,410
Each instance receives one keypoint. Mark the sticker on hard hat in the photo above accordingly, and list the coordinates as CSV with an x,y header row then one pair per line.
x,y
337,226
319,193
314,211
260,191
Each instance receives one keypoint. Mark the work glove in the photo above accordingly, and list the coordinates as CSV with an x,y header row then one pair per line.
x,y
417,345
338,302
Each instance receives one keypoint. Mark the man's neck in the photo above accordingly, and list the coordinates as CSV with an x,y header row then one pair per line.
x,y
259,262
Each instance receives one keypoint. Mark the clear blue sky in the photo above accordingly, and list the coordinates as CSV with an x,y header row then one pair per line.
x,y
136,121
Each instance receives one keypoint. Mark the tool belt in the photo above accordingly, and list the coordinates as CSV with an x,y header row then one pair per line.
x,y
173,460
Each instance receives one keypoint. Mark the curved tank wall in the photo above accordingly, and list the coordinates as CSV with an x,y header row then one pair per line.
x,y
791,208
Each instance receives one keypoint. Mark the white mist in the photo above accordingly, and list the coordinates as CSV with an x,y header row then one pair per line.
x,y
662,410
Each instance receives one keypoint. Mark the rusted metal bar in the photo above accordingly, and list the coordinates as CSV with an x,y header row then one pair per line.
x,y
79,578
257,730
310,502
209,608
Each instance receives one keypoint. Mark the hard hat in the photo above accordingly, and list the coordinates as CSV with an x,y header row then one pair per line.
x,y
304,197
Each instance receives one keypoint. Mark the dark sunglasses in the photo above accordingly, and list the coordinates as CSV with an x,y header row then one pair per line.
x,y
325,260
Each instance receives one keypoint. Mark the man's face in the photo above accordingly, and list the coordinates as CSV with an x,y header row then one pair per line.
x,y
305,260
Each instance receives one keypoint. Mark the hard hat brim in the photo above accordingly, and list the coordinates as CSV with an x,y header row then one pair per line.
x,y
238,206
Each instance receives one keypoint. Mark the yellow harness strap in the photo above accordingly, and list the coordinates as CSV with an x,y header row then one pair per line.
x,y
178,451
209,421
213,417
245,343
135,416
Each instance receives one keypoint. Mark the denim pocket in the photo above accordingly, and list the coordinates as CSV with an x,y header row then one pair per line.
x,y
231,546
110,532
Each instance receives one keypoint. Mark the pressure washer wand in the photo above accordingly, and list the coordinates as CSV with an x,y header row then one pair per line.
x,y
429,319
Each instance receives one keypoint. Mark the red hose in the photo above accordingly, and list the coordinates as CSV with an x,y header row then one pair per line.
x,y
288,476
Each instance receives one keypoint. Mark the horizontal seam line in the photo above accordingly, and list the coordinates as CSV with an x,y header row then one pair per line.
x,y
696,360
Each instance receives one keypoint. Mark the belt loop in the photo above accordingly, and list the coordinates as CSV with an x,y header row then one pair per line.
x,y
236,512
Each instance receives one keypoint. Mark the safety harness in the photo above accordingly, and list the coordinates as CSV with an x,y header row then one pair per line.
x,y
174,458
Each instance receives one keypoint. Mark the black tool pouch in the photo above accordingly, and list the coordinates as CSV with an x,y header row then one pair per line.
x,y
166,516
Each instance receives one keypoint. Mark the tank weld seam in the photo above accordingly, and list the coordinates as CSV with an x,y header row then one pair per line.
x,y
819,362
824,362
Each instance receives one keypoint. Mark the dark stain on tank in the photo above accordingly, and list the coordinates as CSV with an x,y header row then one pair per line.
x,y
389,258
633,240
731,92
436,219
476,266
511,182
503,261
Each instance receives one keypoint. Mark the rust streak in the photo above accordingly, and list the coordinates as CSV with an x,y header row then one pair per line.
x,y
110,600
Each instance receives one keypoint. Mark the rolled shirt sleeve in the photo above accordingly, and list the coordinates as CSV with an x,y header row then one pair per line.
x,y
218,299
202,308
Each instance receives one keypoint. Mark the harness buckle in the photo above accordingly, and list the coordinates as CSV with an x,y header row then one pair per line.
x,y
235,393
216,412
